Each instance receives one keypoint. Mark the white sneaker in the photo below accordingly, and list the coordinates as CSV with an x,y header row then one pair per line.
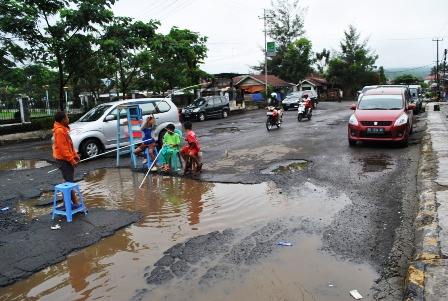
x,y
154,168
145,161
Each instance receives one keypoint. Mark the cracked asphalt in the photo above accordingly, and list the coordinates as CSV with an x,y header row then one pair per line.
x,y
374,227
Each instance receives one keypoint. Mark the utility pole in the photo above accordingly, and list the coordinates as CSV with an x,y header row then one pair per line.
x,y
444,69
437,66
265,56
265,17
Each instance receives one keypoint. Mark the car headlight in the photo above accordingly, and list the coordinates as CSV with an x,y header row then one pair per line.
x,y
403,119
353,120
196,110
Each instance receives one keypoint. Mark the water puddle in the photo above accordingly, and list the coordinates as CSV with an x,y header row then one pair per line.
x,y
225,130
45,148
23,164
376,163
176,209
287,167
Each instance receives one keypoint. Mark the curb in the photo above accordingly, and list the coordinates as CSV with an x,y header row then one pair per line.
x,y
426,225
25,137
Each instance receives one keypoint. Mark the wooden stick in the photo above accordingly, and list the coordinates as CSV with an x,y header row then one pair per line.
x,y
149,169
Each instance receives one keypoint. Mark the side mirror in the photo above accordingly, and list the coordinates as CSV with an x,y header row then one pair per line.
x,y
109,118
411,106
353,107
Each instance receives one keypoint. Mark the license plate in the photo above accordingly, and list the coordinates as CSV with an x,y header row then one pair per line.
x,y
375,130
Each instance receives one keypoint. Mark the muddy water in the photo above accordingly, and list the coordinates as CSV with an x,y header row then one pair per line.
x,y
176,209
23,164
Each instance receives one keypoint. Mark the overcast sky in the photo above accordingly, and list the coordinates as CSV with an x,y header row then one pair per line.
x,y
401,32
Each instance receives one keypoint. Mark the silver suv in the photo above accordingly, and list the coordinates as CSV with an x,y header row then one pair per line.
x,y
96,131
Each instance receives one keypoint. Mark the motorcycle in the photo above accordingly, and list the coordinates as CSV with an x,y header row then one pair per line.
x,y
305,110
271,120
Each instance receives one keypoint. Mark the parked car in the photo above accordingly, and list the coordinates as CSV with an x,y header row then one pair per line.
x,y
417,98
382,114
292,99
96,131
205,107
365,89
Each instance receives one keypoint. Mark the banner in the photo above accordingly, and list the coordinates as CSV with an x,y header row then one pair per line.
x,y
270,49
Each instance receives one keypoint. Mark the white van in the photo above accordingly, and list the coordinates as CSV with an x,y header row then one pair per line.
x,y
417,87
97,130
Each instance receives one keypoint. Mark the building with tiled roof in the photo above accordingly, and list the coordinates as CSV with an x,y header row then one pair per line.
x,y
257,82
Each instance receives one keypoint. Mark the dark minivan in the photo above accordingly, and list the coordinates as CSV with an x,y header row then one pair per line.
x,y
205,107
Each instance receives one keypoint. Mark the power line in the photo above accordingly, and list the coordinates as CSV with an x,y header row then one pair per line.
x,y
407,70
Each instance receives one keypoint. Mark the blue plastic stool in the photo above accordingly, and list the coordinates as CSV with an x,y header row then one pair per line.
x,y
68,209
174,157
148,157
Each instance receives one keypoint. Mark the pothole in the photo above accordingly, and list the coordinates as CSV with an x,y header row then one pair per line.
x,y
287,166
23,164
376,163
45,148
225,130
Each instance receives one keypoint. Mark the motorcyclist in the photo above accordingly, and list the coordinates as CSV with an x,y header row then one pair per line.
x,y
277,106
308,103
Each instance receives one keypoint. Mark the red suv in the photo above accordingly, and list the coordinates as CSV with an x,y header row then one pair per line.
x,y
382,114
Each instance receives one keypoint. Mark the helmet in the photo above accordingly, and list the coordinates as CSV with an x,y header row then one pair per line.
x,y
273,94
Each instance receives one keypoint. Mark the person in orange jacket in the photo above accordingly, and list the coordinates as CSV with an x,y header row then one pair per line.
x,y
63,150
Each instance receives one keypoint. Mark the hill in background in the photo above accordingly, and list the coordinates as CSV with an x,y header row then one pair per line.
x,y
419,72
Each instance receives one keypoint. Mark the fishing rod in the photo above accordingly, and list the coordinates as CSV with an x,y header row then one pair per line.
x,y
149,169
114,150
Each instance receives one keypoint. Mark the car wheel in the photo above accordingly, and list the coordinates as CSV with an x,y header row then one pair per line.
x,y
90,148
405,143
225,114
285,108
351,142
201,117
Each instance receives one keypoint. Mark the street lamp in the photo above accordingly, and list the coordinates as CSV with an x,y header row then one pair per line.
x,y
48,102
66,99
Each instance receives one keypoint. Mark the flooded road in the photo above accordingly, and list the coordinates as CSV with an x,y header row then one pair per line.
x,y
176,209
348,213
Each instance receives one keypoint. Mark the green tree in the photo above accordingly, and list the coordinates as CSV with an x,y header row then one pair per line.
x,y
285,25
125,45
353,66
52,32
434,69
297,61
406,79
285,22
27,80
321,60
175,59
382,75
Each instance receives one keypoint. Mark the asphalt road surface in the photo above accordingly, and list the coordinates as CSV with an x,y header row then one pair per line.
x,y
373,227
